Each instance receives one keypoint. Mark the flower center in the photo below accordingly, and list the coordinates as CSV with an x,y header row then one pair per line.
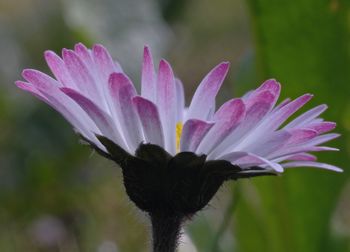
x,y
178,135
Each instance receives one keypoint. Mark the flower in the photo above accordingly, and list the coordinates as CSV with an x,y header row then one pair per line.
x,y
94,94
174,158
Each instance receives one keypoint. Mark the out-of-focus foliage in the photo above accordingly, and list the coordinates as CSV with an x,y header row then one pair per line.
x,y
172,10
57,195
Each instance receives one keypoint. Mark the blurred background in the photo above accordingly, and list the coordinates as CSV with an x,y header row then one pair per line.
x,y
58,195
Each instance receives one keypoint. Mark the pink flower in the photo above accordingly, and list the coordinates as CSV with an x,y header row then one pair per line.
x,y
94,94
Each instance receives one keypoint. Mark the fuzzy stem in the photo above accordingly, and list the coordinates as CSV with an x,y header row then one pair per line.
x,y
165,232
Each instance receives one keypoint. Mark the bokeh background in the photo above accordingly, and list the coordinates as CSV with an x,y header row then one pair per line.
x,y
58,195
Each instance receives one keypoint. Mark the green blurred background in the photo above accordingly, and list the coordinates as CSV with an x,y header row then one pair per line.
x,y
58,195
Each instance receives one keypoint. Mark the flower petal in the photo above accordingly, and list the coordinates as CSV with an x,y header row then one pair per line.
x,y
148,78
312,164
59,69
227,118
270,85
31,89
206,92
322,127
280,116
122,92
273,88
193,132
74,115
282,104
180,101
287,151
103,121
45,88
150,120
104,63
322,139
40,80
306,117
302,157
254,160
299,136
166,103
255,112
266,145
83,77
273,121
85,56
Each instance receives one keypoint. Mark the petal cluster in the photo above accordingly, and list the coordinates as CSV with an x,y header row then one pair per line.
x,y
93,93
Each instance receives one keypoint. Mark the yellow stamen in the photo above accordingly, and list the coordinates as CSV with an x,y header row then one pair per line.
x,y
178,135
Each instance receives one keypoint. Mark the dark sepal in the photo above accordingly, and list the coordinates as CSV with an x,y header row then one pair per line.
x,y
176,186
92,145
116,153
179,185
153,153
254,171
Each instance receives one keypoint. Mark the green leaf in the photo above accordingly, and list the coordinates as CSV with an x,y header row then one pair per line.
x,y
305,45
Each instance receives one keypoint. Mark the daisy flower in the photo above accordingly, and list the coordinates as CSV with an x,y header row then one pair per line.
x,y
174,158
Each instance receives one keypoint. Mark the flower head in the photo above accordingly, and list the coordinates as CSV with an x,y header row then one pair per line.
x,y
175,158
